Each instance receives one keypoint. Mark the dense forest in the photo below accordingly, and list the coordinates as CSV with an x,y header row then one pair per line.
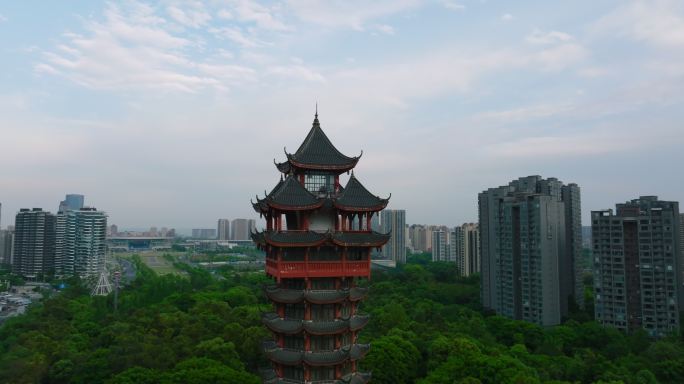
x,y
426,328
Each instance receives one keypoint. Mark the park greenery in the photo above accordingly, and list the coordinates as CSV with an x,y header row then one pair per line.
x,y
427,327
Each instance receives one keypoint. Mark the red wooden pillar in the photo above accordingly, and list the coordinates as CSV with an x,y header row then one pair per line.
x,y
368,221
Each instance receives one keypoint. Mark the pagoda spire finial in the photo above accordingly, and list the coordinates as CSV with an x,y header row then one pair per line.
x,y
316,115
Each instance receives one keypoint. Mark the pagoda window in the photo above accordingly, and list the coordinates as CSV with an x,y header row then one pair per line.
x,y
322,343
324,254
293,254
319,182
345,310
294,342
323,312
293,373
346,338
356,254
294,311
322,373
292,221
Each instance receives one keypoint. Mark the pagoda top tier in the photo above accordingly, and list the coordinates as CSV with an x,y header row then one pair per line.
x,y
317,153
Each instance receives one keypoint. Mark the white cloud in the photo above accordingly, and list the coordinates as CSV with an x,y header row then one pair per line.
x,y
561,56
659,22
297,72
562,146
194,15
385,29
454,6
251,11
524,114
551,37
224,14
354,14
131,49
592,72
2,18
506,17
236,35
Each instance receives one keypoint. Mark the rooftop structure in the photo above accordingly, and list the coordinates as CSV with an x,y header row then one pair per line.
x,y
318,240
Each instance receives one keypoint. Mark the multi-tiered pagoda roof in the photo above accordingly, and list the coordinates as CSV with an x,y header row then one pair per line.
x,y
317,153
318,241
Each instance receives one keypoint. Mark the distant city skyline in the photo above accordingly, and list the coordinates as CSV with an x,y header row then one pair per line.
x,y
162,112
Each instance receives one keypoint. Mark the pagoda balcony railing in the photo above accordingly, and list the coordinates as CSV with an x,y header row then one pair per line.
x,y
301,269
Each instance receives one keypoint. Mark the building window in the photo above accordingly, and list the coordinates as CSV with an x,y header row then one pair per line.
x,y
316,182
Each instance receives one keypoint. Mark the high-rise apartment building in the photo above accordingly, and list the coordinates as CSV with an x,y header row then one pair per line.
x,y
466,245
34,243
80,242
241,229
418,238
529,234
6,246
393,221
71,202
637,266
223,229
439,246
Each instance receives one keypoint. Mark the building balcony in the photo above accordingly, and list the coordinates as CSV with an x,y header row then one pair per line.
x,y
294,296
269,376
329,327
288,356
303,269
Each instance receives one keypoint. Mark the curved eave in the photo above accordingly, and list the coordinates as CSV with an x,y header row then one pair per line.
x,y
295,244
358,351
358,293
360,244
357,322
258,238
294,296
260,206
323,167
285,296
358,378
351,208
319,359
378,241
280,207
283,167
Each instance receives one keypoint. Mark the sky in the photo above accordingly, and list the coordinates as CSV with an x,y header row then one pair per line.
x,y
170,113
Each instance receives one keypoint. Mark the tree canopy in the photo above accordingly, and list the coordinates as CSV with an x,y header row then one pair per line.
x,y
426,327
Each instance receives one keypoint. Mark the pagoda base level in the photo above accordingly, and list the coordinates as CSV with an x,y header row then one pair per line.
x,y
269,376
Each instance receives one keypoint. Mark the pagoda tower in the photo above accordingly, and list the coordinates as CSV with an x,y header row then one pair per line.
x,y
318,240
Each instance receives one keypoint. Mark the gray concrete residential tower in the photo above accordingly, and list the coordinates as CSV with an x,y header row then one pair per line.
x,y
637,266
529,233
